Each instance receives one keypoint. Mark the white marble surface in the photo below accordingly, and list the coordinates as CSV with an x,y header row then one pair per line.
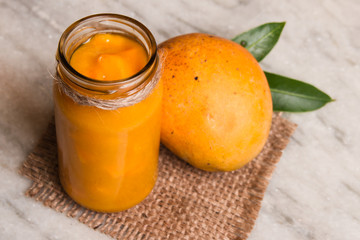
x,y
315,190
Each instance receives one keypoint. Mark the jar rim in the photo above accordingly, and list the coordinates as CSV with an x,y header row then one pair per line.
x,y
61,55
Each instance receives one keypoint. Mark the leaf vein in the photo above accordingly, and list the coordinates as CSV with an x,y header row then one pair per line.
x,y
265,36
299,95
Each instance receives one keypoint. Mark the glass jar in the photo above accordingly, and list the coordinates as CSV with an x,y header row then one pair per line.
x,y
108,132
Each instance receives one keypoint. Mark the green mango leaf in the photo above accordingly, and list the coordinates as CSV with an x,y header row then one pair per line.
x,y
260,40
290,95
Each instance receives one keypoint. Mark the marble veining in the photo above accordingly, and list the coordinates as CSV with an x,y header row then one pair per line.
x,y
315,190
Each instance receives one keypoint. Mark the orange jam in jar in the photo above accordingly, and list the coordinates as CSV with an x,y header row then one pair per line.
x,y
107,99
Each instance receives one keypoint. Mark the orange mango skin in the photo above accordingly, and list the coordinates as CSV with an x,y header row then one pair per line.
x,y
108,158
217,105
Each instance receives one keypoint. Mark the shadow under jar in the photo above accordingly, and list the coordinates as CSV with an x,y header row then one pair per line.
x,y
108,131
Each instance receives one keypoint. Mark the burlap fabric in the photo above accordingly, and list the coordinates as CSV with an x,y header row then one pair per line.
x,y
186,203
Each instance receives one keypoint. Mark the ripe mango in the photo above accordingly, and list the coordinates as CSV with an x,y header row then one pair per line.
x,y
217,106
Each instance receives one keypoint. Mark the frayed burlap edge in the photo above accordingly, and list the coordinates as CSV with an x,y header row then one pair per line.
x,y
186,203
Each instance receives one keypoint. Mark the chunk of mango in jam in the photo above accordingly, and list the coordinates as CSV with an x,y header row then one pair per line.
x,y
109,57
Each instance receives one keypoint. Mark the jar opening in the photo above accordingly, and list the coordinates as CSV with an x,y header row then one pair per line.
x,y
83,29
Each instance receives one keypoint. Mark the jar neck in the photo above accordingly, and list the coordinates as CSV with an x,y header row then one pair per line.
x,y
85,28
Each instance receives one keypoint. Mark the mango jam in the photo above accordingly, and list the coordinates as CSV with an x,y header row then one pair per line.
x,y
109,57
108,158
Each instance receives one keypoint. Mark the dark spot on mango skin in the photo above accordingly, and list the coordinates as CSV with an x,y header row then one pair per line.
x,y
196,78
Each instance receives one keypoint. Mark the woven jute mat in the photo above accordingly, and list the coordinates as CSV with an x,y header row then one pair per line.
x,y
186,203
